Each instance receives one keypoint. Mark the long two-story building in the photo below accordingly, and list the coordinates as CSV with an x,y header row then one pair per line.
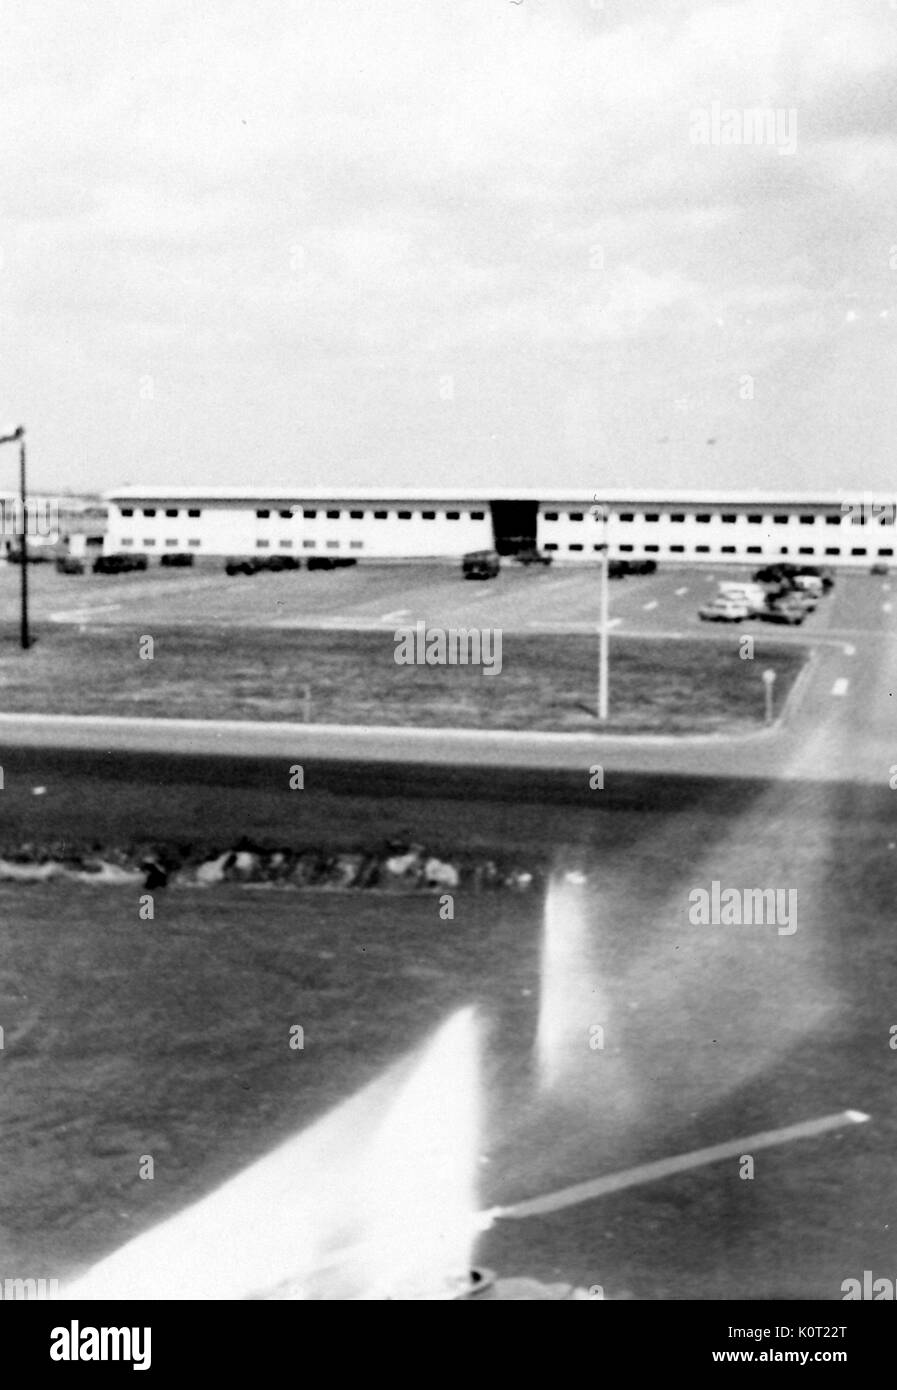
x,y
572,526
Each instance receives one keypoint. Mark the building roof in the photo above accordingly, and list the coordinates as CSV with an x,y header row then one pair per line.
x,y
614,496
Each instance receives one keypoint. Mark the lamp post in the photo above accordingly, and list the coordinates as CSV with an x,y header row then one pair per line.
x,y
602,637
599,513
18,436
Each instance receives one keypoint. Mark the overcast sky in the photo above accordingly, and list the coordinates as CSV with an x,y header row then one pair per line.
x,y
404,241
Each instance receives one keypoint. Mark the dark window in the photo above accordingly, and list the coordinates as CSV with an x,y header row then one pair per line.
x,y
286,515
356,545
309,513
193,511
286,545
806,550
575,516
428,516
702,549
807,520
730,518
403,516
262,545
262,512
380,516
703,517
574,547
833,550
783,550
627,516
598,546
308,545
833,521
755,550
193,542
357,516
453,516
652,516
171,511
858,550
677,516
333,545
755,519
551,516
333,516
477,516
170,542
550,545
127,511
728,549
149,541
652,547
886,550
677,549
780,520
149,511
627,547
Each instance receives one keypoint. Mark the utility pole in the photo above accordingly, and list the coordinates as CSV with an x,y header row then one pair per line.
x,y
18,436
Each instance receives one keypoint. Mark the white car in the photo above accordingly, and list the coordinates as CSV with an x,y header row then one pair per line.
x,y
725,610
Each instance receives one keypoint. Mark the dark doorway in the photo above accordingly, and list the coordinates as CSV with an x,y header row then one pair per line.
x,y
514,526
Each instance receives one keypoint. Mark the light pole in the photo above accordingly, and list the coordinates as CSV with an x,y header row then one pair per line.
x,y
600,514
18,436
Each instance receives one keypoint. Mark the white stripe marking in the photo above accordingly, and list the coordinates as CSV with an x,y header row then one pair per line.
x,y
648,606
681,1163
840,686
886,607
394,617
680,592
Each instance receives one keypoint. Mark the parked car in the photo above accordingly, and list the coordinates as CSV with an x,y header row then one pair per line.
x,y
880,568
241,566
69,564
783,610
280,562
617,569
177,559
330,562
118,564
532,556
37,555
724,610
641,566
481,564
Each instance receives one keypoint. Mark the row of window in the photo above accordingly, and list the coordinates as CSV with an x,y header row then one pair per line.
x,y
310,513
150,541
857,550
169,511
728,518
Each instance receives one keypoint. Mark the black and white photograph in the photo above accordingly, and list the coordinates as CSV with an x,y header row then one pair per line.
x,y
448,664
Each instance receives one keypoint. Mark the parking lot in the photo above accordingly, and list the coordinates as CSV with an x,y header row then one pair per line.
x,y
519,600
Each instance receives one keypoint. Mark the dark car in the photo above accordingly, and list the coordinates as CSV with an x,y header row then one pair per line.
x,y
642,566
242,566
280,562
481,564
118,564
617,569
177,559
69,564
330,562
531,555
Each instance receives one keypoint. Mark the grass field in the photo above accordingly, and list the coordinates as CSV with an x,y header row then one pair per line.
x,y
547,682
127,1037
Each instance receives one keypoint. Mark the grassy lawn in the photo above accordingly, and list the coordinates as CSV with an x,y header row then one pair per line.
x,y
545,682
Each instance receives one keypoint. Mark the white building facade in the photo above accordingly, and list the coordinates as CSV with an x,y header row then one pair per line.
x,y
572,527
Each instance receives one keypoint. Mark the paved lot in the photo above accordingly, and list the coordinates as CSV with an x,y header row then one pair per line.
x,y
558,599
